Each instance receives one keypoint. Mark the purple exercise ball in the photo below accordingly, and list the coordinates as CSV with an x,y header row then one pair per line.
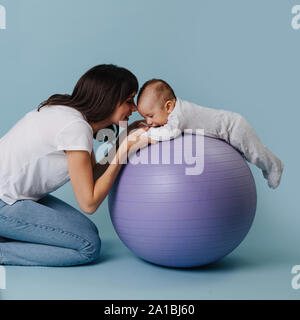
x,y
173,219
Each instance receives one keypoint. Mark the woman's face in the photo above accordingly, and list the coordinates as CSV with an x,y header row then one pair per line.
x,y
124,111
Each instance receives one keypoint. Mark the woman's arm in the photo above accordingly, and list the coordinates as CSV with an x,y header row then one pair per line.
x,y
89,193
98,168
93,159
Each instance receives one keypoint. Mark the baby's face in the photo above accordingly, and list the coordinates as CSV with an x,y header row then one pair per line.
x,y
154,113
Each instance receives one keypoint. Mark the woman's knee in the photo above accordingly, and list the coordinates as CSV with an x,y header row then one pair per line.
x,y
92,248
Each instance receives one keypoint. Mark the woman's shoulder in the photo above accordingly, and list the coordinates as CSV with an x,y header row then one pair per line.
x,y
57,118
60,109
59,114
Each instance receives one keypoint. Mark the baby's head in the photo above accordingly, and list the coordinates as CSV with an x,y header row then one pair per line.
x,y
155,101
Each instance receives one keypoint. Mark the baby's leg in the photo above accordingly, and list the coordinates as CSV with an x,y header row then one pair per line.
x,y
243,137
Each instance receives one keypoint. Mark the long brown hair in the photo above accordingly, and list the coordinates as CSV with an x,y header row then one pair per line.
x,y
98,92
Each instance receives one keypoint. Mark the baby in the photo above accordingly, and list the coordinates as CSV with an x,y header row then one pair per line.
x,y
168,116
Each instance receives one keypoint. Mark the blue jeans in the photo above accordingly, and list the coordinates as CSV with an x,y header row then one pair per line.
x,y
47,232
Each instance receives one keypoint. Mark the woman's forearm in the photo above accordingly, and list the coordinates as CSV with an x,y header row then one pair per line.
x,y
105,175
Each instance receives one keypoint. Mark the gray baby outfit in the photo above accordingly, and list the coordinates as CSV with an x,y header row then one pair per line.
x,y
225,125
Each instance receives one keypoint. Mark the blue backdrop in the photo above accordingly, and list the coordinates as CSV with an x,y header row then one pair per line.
x,y
242,56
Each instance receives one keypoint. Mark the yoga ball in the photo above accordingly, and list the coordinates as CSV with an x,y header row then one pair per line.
x,y
171,218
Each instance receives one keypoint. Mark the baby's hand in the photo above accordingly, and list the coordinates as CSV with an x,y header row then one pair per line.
x,y
146,134
152,141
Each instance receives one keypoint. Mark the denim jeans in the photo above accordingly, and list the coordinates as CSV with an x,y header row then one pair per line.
x,y
47,232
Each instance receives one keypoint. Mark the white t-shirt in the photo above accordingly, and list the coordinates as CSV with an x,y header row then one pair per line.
x,y
32,158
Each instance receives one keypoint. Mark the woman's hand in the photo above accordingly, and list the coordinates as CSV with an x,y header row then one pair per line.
x,y
136,125
135,140
130,128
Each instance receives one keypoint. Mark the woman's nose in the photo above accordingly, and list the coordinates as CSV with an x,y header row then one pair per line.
x,y
149,121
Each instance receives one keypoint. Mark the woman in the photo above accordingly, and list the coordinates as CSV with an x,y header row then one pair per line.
x,y
50,146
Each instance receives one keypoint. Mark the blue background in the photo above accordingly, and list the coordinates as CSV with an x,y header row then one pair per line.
x,y
237,55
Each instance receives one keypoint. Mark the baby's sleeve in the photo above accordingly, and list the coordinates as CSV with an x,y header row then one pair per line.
x,y
75,136
163,133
